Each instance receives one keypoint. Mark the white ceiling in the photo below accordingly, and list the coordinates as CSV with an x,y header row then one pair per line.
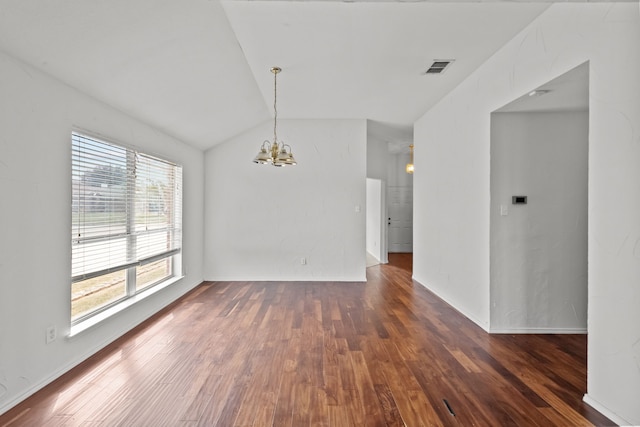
x,y
567,92
199,70
173,64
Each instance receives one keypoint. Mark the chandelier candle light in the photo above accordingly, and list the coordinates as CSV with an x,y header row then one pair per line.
x,y
275,153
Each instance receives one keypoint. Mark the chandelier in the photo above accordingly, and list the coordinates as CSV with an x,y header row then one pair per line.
x,y
275,153
409,167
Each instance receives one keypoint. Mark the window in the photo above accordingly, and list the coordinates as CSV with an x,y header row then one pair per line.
x,y
126,224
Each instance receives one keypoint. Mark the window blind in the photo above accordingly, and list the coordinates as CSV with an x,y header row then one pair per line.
x,y
126,208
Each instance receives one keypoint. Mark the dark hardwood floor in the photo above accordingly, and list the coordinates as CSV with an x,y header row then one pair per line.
x,y
385,352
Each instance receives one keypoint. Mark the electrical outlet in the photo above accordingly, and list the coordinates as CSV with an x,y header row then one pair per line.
x,y
303,261
51,334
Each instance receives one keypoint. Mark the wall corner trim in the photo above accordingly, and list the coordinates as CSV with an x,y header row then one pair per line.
x,y
605,411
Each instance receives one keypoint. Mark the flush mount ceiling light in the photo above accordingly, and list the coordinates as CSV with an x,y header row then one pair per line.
x,y
409,167
275,153
539,92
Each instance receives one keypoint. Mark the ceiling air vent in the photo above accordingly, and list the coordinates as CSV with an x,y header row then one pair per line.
x,y
438,66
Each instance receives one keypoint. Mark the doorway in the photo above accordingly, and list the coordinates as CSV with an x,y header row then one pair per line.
x,y
376,233
539,188
400,205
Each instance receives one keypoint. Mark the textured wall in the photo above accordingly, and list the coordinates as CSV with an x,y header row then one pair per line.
x,y
539,249
37,114
377,157
261,220
452,186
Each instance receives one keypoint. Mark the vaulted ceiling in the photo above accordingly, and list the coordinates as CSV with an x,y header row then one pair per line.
x,y
199,69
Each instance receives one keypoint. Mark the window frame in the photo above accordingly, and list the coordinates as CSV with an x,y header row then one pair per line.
x,y
173,228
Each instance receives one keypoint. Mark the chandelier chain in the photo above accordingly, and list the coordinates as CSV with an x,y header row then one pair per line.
x,y
273,152
275,108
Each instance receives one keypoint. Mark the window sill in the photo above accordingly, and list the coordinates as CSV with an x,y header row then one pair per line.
x,y
112,311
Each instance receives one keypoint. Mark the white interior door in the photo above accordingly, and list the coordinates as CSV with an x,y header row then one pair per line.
x,y
400,218
376,219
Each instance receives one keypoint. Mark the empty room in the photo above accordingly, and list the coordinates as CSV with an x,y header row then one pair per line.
x,y
327,213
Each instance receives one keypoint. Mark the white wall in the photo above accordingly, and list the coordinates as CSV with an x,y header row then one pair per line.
x,y
377,158
377,165
376,223
261,220
452,206
37,114
539,249
396,171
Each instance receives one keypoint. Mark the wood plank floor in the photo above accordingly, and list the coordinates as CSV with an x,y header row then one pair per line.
x,y
385,352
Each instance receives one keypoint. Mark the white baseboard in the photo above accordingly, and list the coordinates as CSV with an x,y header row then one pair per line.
x,y
605,411
58,373
578,331
342,279
37,386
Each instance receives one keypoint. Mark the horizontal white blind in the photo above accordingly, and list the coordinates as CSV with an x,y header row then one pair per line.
x,y
126,207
